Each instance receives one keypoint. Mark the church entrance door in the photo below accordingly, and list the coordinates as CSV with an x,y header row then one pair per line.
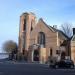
x,y
36,55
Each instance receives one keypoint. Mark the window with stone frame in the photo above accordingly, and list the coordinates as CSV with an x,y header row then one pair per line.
x,y
41,39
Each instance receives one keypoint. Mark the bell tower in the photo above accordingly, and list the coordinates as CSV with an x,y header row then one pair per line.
x,y
27,24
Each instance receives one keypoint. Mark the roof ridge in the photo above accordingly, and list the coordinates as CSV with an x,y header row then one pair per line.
x,y
50,27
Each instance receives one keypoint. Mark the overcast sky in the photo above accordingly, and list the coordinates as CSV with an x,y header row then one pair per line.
x,y
54,12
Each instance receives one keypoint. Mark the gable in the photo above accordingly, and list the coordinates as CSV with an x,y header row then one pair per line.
x,y
62,35
41,22
41,26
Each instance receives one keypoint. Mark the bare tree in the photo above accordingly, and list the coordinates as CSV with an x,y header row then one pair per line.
x,y
10,46
67,29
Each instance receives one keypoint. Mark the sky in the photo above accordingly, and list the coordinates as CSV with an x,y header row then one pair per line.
x,y
53,12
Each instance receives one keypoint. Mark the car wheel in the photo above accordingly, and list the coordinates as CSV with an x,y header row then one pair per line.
x,y
56,66
72,66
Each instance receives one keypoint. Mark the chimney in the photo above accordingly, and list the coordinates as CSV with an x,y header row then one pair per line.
x,y
55,26
73,31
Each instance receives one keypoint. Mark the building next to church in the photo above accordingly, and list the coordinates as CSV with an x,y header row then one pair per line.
x,y
73,46
40,40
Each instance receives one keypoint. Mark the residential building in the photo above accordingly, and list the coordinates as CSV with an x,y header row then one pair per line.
x,y
73,46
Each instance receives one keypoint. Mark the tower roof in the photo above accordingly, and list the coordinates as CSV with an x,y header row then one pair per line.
x,y
28,13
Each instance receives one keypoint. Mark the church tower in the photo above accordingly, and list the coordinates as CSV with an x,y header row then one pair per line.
x,y
27,24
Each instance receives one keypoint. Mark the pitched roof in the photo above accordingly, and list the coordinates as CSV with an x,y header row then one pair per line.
x,y
63,34
54,29
60,32
41,20
73,38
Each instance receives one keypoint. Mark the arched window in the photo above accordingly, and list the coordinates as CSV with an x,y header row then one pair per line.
x,y
51,51
41,39
31,25
24,26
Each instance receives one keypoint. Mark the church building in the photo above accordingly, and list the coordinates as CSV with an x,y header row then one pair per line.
x,y
40,40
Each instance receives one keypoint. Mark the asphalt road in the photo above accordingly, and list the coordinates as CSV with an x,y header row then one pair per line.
x,y
7,68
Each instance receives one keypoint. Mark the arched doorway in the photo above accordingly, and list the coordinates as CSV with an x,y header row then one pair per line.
x,y
36,55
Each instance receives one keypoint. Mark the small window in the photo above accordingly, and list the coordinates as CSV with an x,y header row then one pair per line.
x,y
57,52
24,26
31,28
51,52
32,23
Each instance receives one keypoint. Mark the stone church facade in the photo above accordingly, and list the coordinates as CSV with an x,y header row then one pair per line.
x,y
40,40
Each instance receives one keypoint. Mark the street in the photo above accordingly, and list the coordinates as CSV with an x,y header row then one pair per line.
x,y
31,69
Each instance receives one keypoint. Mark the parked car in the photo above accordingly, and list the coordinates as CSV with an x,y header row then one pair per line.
x,y
66,63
